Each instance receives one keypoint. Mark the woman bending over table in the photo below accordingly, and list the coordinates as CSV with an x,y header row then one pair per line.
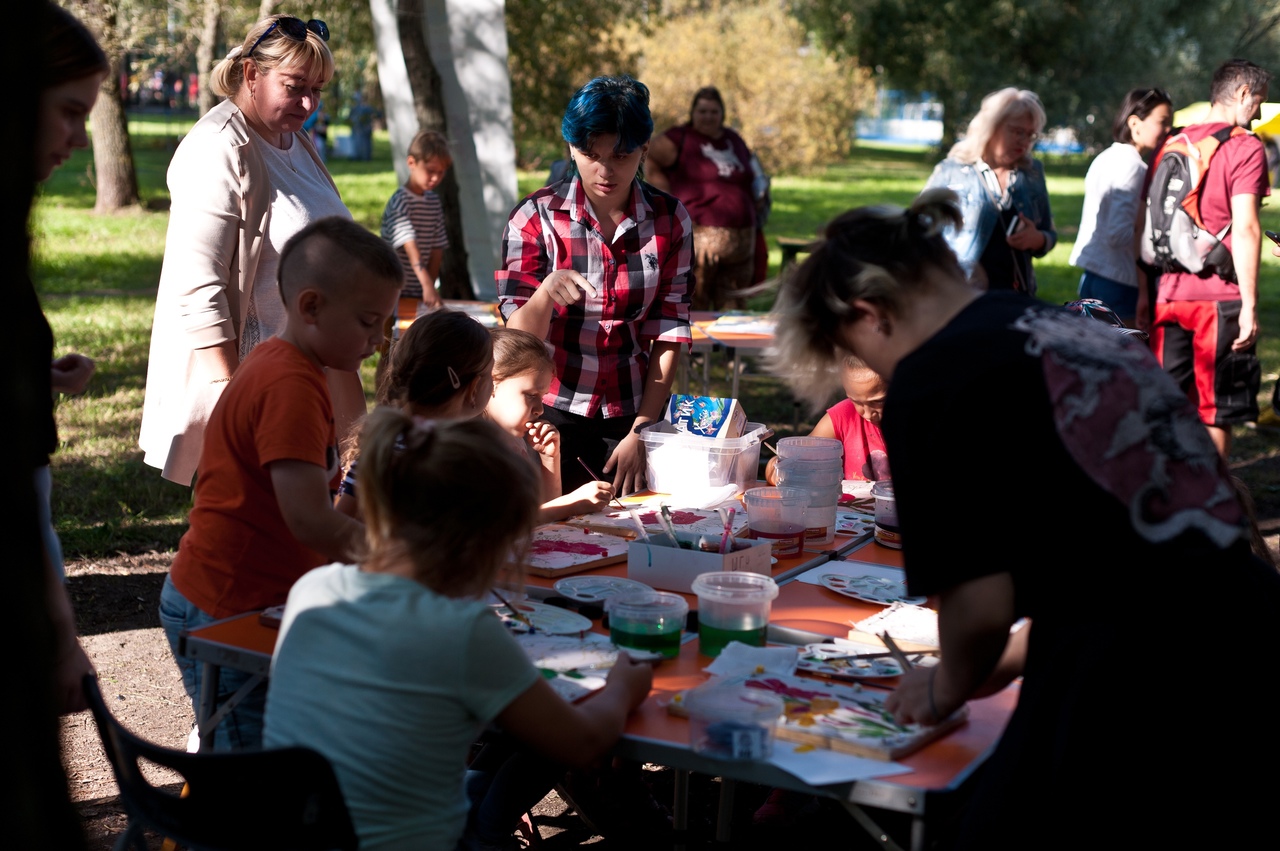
x,y
598,265
1002,193
1108,521
244,180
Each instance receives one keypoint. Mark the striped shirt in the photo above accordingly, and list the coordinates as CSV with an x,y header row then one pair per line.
x,y
414,218
643,280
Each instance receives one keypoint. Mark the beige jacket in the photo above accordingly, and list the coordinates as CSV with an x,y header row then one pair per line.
x,y
220,209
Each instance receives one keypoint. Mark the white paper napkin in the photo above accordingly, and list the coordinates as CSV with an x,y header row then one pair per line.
x,y
738,659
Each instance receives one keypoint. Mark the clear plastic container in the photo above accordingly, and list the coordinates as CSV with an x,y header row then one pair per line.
x,y
732,606
732,722
810,448
649,621
777,514
887,531
677,461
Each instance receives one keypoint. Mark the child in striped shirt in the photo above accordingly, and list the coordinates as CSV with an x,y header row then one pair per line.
x,y
413,221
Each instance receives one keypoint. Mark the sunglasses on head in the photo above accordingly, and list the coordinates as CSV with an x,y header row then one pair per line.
x,y
295,29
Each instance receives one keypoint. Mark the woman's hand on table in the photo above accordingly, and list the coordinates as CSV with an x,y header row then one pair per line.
x,y
921,697
628,460
565,286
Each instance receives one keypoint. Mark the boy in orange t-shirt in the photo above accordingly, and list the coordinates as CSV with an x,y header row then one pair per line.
x,y
263,512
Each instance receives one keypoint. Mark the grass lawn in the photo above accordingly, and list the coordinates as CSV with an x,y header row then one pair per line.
x,y
97,276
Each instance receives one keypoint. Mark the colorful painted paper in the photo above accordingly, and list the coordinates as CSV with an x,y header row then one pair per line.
x,y
558,550
840,717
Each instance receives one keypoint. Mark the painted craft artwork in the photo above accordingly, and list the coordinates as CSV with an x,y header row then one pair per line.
x,y
839,717
558,550
869,589
574,666
695,521
841,662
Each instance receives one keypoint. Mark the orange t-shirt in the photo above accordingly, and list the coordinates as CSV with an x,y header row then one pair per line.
x,y
238,554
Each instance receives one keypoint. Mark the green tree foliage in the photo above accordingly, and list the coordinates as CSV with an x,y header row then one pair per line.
x,y
1080,57
793,104
553,47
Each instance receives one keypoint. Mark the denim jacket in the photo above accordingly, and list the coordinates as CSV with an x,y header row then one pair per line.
x,y
1030,197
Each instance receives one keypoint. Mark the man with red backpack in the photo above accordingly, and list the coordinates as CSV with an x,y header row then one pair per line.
x,y
1206,321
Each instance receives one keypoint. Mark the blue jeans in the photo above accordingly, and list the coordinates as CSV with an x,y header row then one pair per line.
x,y
242,727
1121,298
503,782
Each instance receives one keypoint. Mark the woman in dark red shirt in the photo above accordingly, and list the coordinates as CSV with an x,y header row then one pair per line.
x,y
708,167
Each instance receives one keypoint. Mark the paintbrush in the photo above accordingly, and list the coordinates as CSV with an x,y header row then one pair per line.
x,y
635,518
770,447
896,651
726,540
596,478
668,527
516,614
880,655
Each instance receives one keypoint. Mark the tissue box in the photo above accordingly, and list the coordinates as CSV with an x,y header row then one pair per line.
x,y
706,416
674,569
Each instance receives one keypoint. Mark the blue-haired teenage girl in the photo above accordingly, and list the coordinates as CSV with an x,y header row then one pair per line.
x,y
599,266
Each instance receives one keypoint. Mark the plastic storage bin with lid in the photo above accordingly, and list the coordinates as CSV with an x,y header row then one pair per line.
x,y
677,462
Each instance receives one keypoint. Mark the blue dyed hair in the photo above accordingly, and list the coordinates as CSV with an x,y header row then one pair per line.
x,y
618,105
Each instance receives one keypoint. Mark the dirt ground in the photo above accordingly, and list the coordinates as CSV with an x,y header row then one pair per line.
x,y
115,601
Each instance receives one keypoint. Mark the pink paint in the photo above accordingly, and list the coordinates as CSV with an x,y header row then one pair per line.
x,y
582,548
678,518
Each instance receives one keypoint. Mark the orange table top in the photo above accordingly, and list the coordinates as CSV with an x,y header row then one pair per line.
x,y
654,735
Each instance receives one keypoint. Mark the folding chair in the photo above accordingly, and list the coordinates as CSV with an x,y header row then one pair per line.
x,y
286,798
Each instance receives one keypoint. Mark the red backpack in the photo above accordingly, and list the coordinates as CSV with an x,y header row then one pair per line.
x,y
1174,237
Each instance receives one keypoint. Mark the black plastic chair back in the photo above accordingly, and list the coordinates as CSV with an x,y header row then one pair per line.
x,y
283,799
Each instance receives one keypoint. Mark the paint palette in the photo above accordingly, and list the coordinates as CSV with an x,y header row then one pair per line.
x,y
594,589
831,660
854,523
550,620
869,589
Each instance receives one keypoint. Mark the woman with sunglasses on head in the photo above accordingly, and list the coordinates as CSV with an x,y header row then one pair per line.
x,y
1112,198
1003,198
244,180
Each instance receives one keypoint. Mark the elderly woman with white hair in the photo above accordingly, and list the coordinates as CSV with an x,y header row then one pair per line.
x,y
1003,198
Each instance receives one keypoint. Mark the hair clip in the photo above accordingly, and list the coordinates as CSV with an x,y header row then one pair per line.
x,y
453,378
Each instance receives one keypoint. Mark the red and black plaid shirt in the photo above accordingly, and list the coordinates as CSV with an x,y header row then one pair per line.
x,y
602,343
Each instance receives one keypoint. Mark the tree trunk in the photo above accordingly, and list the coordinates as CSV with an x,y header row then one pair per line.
x,y
205,51
428,103
113,155
266,8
